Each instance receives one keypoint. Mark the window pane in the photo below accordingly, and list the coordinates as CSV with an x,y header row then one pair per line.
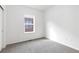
x,y
28,24
28,28
29,20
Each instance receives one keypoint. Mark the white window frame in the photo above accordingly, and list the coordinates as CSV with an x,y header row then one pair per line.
x,y
30,16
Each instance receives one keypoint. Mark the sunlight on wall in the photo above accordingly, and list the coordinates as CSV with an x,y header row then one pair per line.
x,y
60,35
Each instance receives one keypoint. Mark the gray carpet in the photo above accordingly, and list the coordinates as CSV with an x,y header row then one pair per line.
x,y
38,46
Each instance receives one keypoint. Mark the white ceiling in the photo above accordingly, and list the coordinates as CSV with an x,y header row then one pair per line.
x,y
40,7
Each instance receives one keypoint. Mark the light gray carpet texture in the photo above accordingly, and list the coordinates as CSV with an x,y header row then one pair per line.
x,y
38,46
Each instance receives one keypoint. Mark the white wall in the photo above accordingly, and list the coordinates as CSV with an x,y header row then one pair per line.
x,y
15,24
0,28
4,26
62,24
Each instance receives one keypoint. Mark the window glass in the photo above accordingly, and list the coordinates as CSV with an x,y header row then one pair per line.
x,y
29,24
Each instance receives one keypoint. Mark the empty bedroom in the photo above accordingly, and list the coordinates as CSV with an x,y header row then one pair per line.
x,y
39,28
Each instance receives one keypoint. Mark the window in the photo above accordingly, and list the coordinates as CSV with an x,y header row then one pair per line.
x,y
29,23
